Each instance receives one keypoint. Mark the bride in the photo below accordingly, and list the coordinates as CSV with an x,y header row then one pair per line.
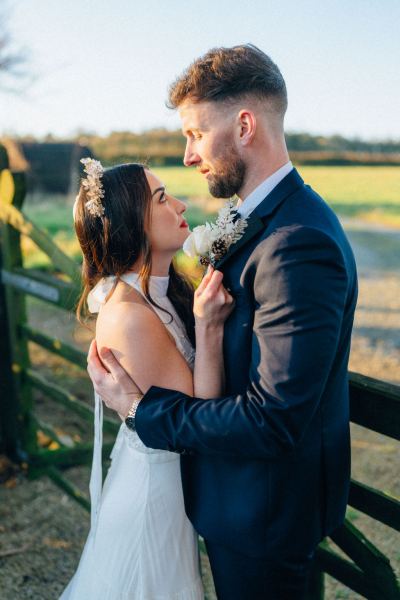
x,y
141,545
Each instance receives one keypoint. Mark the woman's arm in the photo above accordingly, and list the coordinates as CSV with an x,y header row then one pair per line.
x,y
133,350
143,347
209,374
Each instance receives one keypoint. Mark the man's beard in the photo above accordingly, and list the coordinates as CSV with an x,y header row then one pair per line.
x,y
231,173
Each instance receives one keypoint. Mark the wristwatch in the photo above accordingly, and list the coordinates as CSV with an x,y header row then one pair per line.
x,y
130,417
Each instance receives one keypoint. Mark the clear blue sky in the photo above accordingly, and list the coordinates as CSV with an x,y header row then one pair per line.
x,y
105,65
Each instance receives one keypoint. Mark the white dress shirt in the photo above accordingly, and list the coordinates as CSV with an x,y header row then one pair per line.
x,y
262,190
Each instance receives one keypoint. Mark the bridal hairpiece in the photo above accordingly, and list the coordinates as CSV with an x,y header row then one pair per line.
x,y
93,186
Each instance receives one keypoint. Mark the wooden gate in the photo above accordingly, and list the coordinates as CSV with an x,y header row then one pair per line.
x,y
374,404
19,427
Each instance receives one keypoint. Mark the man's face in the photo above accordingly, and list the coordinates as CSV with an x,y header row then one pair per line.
x,y
209,129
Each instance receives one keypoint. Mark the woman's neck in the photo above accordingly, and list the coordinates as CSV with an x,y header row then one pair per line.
x,y
160,265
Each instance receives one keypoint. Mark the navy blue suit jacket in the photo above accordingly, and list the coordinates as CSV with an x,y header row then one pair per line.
x,y
265,468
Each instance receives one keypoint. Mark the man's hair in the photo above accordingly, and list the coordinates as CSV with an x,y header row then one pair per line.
x,y
225,74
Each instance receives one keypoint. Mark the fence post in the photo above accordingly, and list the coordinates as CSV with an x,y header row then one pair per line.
x,y
8,390
8,393
17,429
316,583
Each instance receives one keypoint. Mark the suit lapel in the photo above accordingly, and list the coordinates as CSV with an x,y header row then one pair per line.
x,y
255,222
254,225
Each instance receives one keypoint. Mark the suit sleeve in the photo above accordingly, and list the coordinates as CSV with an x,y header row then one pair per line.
x,y
300,288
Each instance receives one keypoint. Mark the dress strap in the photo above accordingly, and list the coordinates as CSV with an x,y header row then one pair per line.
x,y
96,477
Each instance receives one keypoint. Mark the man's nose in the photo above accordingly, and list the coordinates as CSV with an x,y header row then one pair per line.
x,y
191,157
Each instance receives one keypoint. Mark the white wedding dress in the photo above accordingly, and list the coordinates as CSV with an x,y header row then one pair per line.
x,y
141,545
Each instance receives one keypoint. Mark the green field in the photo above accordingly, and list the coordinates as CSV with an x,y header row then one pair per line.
x,y
372,193
183,181
369,194
372,185
351,191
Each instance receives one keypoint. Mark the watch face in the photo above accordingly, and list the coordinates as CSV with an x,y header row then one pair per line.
x,y
130,423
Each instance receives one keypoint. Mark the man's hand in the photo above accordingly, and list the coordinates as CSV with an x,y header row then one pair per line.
x,y
212,302
110,380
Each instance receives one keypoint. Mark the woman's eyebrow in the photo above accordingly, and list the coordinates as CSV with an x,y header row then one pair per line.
x,y
159,189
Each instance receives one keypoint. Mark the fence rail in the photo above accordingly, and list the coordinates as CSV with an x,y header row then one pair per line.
x,y
373,404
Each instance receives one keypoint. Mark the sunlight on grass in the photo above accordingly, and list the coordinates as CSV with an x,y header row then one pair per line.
x,y
371,194
182,181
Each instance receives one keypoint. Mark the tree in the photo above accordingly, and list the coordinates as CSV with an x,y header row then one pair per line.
x,y
13,59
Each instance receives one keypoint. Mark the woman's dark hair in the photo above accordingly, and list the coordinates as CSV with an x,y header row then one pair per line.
x,y
112,243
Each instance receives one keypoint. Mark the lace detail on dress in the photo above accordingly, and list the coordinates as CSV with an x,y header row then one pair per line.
x,y
186,349
134,441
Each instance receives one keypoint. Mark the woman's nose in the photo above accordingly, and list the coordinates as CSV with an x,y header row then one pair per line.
x,y
181,206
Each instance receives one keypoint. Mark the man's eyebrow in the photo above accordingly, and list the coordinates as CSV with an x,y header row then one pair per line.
x,y
159,189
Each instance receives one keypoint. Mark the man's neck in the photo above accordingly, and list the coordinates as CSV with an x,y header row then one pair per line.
x,y
258,175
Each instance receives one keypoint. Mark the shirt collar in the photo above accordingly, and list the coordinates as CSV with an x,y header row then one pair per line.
x,y
261,191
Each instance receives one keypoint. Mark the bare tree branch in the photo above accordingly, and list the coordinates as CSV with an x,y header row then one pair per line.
x,y
13,59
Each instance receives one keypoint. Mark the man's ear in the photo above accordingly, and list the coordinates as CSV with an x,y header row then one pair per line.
x,y
247,125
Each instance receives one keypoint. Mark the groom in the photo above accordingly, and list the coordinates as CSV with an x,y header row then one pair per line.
x,y
265,468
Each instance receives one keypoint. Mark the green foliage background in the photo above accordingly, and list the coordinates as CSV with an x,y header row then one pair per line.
x,y
370,194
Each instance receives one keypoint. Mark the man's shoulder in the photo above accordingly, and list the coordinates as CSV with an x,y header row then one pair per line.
x,y
303,219
295,237
304,212
303,222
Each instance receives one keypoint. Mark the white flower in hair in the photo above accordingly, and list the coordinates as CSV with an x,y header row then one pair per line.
x,y
210,242
93,186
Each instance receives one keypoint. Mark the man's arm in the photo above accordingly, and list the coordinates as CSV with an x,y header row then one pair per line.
x,y
300,291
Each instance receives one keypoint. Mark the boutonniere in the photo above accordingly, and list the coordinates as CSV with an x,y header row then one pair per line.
x,y
210,242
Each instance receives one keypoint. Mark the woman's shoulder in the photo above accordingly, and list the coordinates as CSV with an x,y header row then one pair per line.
x,y
130,316
136,336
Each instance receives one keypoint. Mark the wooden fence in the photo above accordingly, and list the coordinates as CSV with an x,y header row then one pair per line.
x,y
374,404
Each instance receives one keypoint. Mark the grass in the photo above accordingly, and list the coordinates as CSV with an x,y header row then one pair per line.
x,y
368,193
371,194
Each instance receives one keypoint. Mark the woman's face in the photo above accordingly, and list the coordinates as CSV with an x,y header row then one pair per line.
x,y
168,228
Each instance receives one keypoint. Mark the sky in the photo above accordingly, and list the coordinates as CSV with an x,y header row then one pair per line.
x,y
105,65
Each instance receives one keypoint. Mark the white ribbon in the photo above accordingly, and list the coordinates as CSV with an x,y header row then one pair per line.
x,y
97,296
95,300
96,476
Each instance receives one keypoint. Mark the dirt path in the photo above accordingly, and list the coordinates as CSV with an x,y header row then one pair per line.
x,y
42,531
376,334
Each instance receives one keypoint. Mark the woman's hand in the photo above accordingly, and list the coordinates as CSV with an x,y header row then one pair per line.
x,y
212,302
212,306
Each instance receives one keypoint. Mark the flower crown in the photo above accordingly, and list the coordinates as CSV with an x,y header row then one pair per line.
x,y
93,186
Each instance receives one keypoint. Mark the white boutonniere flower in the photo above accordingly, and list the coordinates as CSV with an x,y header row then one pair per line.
x,y
211,241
